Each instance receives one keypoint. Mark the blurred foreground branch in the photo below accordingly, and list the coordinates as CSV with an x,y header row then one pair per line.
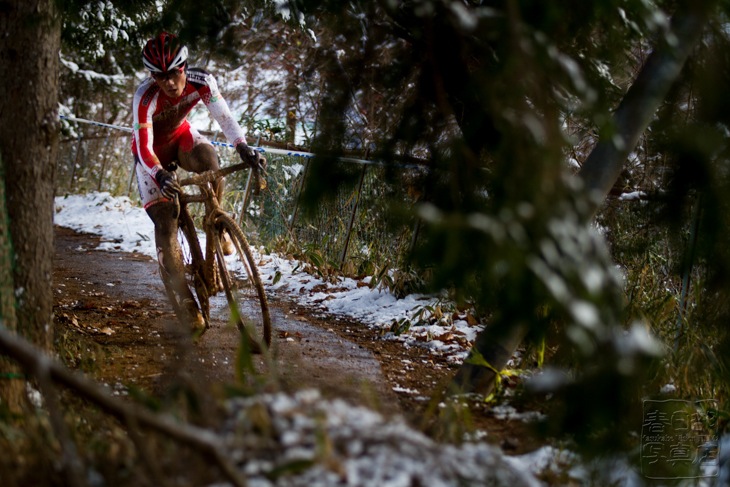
x,y
44,368
496,344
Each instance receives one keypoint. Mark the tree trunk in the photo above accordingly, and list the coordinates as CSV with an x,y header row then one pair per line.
x,y
292,102
605,163
29,47
11,390
599,173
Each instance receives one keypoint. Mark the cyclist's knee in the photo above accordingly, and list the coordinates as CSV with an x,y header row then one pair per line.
x,y
207,155
202,157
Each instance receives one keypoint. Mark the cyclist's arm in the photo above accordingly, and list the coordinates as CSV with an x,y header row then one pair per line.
x,y
144,105
211,96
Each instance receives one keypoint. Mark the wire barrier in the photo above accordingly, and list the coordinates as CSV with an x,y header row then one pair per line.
x,y
359,230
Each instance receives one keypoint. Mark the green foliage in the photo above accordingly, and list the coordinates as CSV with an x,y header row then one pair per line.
x,y
77,352
440,313
500,376
270,130
105,35
401,282
486,91
317,264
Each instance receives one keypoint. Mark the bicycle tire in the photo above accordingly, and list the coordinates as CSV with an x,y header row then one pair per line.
x,y
245,256
195,272
200,269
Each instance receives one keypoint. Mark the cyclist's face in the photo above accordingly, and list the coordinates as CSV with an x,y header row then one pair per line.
x,y
172,83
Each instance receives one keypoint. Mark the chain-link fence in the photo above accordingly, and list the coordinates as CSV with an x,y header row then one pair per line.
x,y
359,230
98,162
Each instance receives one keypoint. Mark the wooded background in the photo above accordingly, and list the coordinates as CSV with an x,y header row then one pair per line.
x,y
572,177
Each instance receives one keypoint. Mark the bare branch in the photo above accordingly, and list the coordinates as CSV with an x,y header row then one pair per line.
x,y
34,360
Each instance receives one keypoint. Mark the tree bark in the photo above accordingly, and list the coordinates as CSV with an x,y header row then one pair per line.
x,y
11,386
599,173
29,47
292,102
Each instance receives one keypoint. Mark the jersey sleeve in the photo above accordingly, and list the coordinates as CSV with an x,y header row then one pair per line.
x,y
144,104
221,113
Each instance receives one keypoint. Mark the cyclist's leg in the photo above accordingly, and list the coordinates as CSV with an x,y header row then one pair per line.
x,y
197,154
169,255
163,214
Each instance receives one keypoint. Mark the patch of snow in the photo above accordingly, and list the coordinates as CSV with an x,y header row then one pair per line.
x,y
509,413
633,196
333,443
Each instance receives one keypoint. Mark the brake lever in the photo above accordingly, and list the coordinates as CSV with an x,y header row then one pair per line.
x,y
260,175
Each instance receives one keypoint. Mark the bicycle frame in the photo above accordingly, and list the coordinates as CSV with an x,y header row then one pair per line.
x,y
203,269
207,195
209,267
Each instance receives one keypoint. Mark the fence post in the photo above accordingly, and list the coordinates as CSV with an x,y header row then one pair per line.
x,y
352,217
75,163
132,175
246,197
104,162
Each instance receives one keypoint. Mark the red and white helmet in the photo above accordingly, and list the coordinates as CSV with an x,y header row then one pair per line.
x,y
164,53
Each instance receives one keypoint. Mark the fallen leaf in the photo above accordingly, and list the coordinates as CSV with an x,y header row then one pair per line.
x,y
471,320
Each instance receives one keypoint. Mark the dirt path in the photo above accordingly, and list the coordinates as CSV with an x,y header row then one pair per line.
x,y
113,321
117,299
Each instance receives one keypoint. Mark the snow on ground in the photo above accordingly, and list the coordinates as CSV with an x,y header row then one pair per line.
x,y
125,227
345,445
368,449
363,448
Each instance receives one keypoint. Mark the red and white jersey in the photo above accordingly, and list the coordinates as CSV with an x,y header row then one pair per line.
x,y
158,118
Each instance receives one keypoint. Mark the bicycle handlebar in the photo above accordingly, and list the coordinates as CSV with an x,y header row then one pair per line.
x,y
212,175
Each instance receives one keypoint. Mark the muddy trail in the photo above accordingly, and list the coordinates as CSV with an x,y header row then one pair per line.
x,y
113,322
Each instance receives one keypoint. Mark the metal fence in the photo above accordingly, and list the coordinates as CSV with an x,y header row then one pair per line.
x,y
358,230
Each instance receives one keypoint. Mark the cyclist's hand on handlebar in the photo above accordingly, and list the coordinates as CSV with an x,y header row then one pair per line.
x,y
250,156
167,183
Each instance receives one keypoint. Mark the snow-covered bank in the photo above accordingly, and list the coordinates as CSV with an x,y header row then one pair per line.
x,y
343,445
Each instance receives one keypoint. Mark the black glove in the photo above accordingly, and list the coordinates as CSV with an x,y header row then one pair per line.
x,y
250,156
167,183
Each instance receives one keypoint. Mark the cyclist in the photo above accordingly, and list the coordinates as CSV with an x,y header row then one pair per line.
x,y
163,137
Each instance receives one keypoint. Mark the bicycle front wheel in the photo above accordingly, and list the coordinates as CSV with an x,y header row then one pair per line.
x,y
197,274
234,293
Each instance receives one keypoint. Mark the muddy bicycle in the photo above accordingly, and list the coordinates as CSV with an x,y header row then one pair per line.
x,y
207,269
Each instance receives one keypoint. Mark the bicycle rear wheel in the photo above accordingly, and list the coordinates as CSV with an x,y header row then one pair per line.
x,y
235,296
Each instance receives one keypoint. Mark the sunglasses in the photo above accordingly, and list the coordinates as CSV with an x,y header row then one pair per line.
x,y
168,75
